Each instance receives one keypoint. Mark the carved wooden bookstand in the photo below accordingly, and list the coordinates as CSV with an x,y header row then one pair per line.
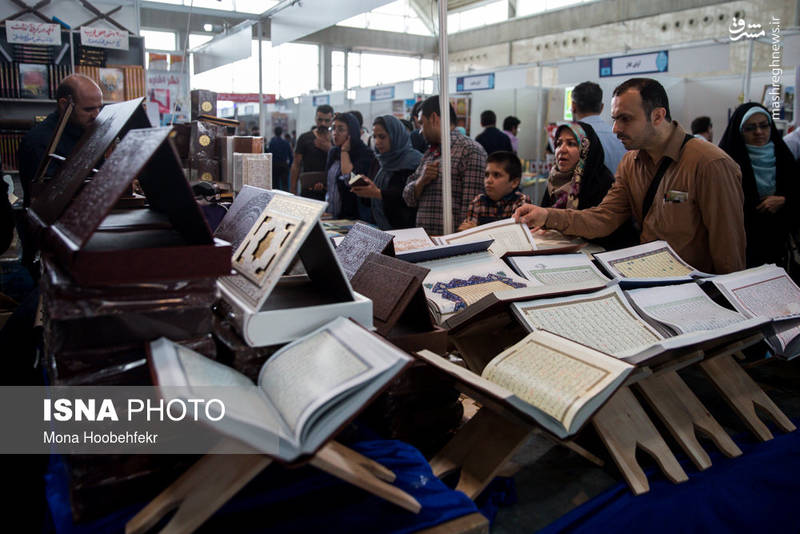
x,y
216,478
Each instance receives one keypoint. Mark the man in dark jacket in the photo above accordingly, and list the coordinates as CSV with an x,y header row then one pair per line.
x,y
492,139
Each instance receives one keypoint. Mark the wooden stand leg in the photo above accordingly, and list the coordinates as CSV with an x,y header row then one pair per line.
x,y
199,492
742,393
480,449
622,425
681,411
360,471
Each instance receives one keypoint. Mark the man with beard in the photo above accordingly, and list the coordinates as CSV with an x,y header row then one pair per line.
x,y
684,191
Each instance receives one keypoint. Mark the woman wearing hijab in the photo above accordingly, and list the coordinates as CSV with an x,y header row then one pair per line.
x,y
348,156
769,179
397,161
580,180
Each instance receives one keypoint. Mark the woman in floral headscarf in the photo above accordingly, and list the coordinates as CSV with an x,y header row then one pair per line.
x,y
770,180
580,180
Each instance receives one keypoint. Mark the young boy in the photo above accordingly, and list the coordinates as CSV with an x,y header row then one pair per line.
x,y
502,196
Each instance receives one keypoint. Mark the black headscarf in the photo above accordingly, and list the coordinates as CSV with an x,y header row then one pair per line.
x,y
766,232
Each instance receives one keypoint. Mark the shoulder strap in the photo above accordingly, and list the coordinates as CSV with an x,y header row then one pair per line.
x,y
651,191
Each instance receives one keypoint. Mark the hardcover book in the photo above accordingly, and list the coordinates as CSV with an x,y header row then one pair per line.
x,y
305,394
359,242
648,264
508,236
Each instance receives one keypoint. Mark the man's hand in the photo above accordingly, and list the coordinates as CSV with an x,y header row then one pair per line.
x,y
431,173
466,225
533,216
771,204
321,141
367,191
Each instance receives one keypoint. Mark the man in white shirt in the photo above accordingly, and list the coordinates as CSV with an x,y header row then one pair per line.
x,y
587,104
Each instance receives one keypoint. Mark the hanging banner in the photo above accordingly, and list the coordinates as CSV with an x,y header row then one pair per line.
x,y
104,38
247,97
634,64
478,82
38,33
165,89
382,93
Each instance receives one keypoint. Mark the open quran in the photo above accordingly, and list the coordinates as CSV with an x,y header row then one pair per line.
x,y
555,382
648,264
607,321
306,392
769,293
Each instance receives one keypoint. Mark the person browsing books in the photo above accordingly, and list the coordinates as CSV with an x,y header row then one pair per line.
x,y
311,149
770,177
87,98
348,156
397,161
695,204
501,196
424,187
580,180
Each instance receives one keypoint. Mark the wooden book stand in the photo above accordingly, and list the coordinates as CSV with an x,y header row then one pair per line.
x,y
215,478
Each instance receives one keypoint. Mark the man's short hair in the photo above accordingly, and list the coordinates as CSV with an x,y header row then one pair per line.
x,y
278,131
701,125
488,118
359,117
588,98
653,94
431,105
324,109
415,109
509,161
511,122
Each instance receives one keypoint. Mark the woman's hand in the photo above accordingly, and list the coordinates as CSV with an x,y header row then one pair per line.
x,y
771,204
367,191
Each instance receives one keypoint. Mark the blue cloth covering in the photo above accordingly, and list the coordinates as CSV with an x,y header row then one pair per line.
x,y
755,492
304,500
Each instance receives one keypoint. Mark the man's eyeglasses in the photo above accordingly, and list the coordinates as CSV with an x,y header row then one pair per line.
x,y
749,128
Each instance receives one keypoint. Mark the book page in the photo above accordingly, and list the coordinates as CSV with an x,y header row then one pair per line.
x,y
549,239
651,260
558,269
306,372
684,307
455,283
410,239
508,237
550,379
773,295
785,333
603,321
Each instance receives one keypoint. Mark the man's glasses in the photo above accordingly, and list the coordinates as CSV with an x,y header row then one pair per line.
x,y
749,128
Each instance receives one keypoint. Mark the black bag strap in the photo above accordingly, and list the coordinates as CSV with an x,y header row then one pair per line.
x,y
651,191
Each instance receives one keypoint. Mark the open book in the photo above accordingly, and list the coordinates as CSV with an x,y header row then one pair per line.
x,y
508,236
558,269
455,283
407,239
306,391
606,321
648,264
557,383
767,292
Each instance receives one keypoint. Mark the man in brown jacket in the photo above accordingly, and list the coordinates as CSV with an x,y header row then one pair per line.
x,y
697,207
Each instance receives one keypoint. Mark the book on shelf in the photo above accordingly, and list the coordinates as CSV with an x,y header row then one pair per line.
x,y
558,269
647,264
456,282
267,307
545,379
607,321
767,292
34,80
112,83
508,236
306,392
359,242
251,169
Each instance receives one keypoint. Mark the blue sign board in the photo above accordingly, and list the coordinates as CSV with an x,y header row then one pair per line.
x,y
634,65
382,93
321,100
478,82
